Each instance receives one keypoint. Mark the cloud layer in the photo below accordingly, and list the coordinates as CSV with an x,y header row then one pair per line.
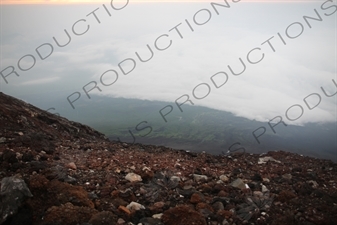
x,y
296,66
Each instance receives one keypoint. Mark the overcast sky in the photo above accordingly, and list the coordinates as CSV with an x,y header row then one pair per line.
x,y
297,61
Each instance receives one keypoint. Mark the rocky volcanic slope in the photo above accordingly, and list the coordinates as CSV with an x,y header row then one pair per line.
x,y
57,172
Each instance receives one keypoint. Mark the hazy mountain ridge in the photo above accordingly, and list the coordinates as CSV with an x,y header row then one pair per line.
x,y
199,128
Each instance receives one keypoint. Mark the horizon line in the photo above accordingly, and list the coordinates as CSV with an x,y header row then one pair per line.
x,y
74,2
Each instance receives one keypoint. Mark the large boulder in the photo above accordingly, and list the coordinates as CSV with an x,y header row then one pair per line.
x,y
14,192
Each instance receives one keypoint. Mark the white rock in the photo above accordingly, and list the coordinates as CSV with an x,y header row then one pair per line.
x,y
2,139
264,189
266,180
177,165
239,184
72,166
266,159
135,206
133,167
313,183
224,178
157,216
132,177
198,177
19,155
146,168
175,179
287,176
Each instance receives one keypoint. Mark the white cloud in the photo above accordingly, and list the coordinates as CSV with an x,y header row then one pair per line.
x,y
39,81
265,90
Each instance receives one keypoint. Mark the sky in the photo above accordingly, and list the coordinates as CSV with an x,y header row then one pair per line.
x,y
196,45
123,1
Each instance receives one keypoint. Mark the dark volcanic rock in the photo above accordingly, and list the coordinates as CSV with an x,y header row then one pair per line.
x,y
12,195
9,156
150,221
27,157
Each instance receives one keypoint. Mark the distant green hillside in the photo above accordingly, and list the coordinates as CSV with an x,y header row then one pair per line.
x,y
197,128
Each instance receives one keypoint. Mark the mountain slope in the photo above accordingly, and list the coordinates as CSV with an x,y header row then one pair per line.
x,y
19,118
54,171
